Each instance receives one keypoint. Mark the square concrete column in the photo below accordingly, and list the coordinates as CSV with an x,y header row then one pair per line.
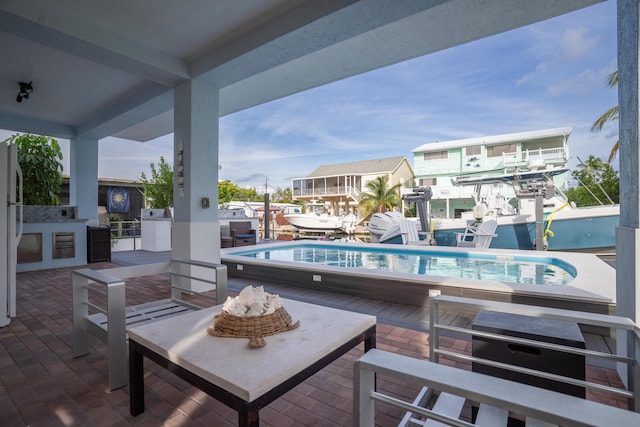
x,y
196,230
629,108
628,235
83,181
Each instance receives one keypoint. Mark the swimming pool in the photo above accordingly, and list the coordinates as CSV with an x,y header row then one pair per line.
x,y
411,275
518,269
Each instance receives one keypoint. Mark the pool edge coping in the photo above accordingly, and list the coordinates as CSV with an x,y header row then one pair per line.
x,y
595,280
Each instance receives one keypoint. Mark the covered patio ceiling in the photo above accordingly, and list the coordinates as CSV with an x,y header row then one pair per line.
x,y
109,68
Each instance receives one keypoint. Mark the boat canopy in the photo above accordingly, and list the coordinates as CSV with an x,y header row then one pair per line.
x,y
509,178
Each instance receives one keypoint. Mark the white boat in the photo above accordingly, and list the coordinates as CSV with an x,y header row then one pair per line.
x,y
385,227
381,223
562,225
322,222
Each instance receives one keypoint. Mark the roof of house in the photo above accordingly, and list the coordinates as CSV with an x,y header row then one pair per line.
x,y
111,181
496,139
364,167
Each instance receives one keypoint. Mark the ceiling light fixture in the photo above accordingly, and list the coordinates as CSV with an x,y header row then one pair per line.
x,y
25,90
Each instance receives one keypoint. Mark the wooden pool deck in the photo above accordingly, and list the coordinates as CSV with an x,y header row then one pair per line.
x,y
400,315
410,317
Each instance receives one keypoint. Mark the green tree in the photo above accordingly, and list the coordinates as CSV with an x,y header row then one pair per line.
x,y
39,158
595,178
158,191
247,195
282,195
611,115
226,190
379,197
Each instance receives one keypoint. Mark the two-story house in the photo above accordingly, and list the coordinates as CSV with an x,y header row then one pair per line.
x,y
335,189
435,164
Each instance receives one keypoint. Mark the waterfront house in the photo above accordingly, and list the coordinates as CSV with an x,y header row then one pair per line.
x,y
336,188
436,163
140,74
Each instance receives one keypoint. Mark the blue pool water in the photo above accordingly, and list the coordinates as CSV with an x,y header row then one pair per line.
x,y
514,269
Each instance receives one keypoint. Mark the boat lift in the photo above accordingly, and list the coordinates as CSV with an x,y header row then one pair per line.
x,y
536,184
420,196
539,190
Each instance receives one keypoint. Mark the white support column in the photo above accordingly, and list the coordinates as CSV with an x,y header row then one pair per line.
x,y
627,235
196,230
83,183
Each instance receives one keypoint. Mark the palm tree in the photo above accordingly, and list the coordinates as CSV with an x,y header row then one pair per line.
x,y
609,116
379,196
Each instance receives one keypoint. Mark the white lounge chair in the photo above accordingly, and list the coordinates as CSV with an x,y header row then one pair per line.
x,y
477,237
99,304
410,234
446,390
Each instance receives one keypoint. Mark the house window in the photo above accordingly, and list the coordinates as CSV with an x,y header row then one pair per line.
x,y
436,155
499,150
428,181
474,150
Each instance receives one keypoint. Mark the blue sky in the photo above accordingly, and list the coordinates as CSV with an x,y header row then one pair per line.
x,y
547,75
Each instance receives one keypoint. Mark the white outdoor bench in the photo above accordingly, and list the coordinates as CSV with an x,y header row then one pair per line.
x,y
453,387
445,391
110,320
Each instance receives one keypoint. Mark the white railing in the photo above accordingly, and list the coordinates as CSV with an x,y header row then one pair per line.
x,y
447,390
328,191
525,156
446,192
613,325
125,244
354,192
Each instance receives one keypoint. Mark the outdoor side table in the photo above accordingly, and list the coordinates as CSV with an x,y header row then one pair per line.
x,y
245,379
547,360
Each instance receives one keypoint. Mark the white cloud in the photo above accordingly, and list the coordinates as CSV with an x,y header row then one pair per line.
x,y
541,68
576,43
586,81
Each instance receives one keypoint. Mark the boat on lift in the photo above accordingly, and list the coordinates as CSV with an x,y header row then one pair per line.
x,y
380,223
385,227
540,211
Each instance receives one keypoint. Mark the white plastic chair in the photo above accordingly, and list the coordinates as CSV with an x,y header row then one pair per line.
x,y
477,237
410,234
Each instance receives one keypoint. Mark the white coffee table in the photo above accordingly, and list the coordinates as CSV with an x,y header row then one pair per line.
x,y
245,379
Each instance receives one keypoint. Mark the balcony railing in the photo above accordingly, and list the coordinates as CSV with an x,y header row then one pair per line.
x,y
340,190
525,156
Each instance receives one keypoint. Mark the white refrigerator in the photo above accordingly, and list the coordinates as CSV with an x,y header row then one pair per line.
x,y
10,228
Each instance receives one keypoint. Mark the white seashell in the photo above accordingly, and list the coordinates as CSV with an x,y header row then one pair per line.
x,y
256,309
228,303
238,309
246,296
259,295
275,302
252,301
